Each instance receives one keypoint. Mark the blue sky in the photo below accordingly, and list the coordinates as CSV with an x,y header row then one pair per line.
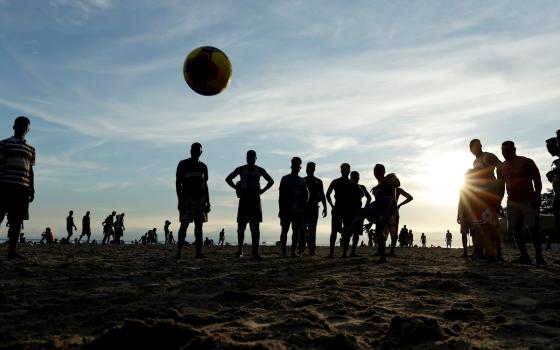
x,y
403,83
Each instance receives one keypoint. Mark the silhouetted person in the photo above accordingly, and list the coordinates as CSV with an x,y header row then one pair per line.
x,y
316,196
465,215
522,180
393,223
222,238
17,189
22,238
70,226
448,239
118,228
402,236
248,190
356,207
166,231
423,240
47,236
553,146
86,227
192,194
410,238
108,227
292,200
343,213
485,205
170,238
384,206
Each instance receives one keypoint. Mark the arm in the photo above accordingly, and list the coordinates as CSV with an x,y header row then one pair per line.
x,y
31,185
366,194
536,177
230,177
406,195
323,200
178,182
269,181
328,195
206,192
501,184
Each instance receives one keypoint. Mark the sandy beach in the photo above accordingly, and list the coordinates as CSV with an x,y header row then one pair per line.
x,y
94,297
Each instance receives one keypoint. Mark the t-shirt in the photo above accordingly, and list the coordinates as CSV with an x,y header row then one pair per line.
x,y
316,192
249,180
16,160
293,194
193,177
518,174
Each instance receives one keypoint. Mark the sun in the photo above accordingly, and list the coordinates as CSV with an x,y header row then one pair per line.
x,y
442,176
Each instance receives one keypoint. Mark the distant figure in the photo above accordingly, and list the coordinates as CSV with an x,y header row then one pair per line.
x,y
292,201
248,190
410,239
108,228
403,235
357,206
464,216
152,236
342,214
222,238
448,238
170,239
423,240
316,195
553,146
22,237
118,229
522,180
371,235
485,203
17,159
191,185
166,231
70,226
86,227
208,242
47,236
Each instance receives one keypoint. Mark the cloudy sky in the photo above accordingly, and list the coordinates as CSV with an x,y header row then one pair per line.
x,y
403,83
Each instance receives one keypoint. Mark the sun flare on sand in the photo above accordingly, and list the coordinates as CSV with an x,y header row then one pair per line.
x,y
442,177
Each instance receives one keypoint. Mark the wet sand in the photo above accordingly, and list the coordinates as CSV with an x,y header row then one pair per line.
x,y
135,297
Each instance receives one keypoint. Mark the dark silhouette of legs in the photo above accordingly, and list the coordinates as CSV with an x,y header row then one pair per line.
x,y
241,236
181,237
312,216
255,238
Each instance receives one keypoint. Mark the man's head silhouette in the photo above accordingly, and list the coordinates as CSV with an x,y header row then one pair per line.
x,y
475,147
310,168
21,127
508,150
345,169
196,150
379,171
251,157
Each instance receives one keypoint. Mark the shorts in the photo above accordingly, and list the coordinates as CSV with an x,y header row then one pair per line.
x,y
14,201
86,231
520,212
393,225
342,219
382,208
194,210
249,210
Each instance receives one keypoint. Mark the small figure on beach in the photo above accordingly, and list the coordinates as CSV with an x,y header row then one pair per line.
x,y
403,235
191,184
70,226
248,190
423,240
522,180
118,229
47,236
410,239
166,231
86,227
222,239
17,159
292,200
108,227
311,217
448,239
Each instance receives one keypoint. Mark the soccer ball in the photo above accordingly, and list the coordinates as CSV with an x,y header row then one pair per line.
x,y
207,70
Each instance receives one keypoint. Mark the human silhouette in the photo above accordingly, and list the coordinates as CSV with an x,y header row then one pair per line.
x,y
403,236
292,201
108,227
22,237
448,239
423,240
311,217
166,231
119,228
410,238
465,215
356,207
86,227
191,185
343,212
47,236
70,226
17,189
222,238
170,239
393,222
248,190
553,146
522,180
485,203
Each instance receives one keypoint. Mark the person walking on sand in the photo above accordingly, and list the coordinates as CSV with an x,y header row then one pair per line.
x,y
522,180
119,228
248,190
191,185
316,195
86,228
423,240
292,201
356,207
448,238
108,228
70,226
17,188
222,238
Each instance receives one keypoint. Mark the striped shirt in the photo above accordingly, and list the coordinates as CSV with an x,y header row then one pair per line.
x,y
16,160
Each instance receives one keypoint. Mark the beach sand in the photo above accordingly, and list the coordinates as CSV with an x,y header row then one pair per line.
x,y
134,297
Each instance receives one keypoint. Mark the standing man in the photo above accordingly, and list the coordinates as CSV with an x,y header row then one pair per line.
x,y
248,190
292,202
70,227
17,189
191,184
356,207
522,180
166,231
316,195
553,146
423,240
393,224
464,216
86,228
222,238
342,215
448,239
108,228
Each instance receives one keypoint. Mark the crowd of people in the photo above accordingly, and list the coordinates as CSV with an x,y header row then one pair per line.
x,y
354,209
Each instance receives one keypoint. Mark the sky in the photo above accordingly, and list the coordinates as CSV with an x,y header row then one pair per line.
x,y
403,83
